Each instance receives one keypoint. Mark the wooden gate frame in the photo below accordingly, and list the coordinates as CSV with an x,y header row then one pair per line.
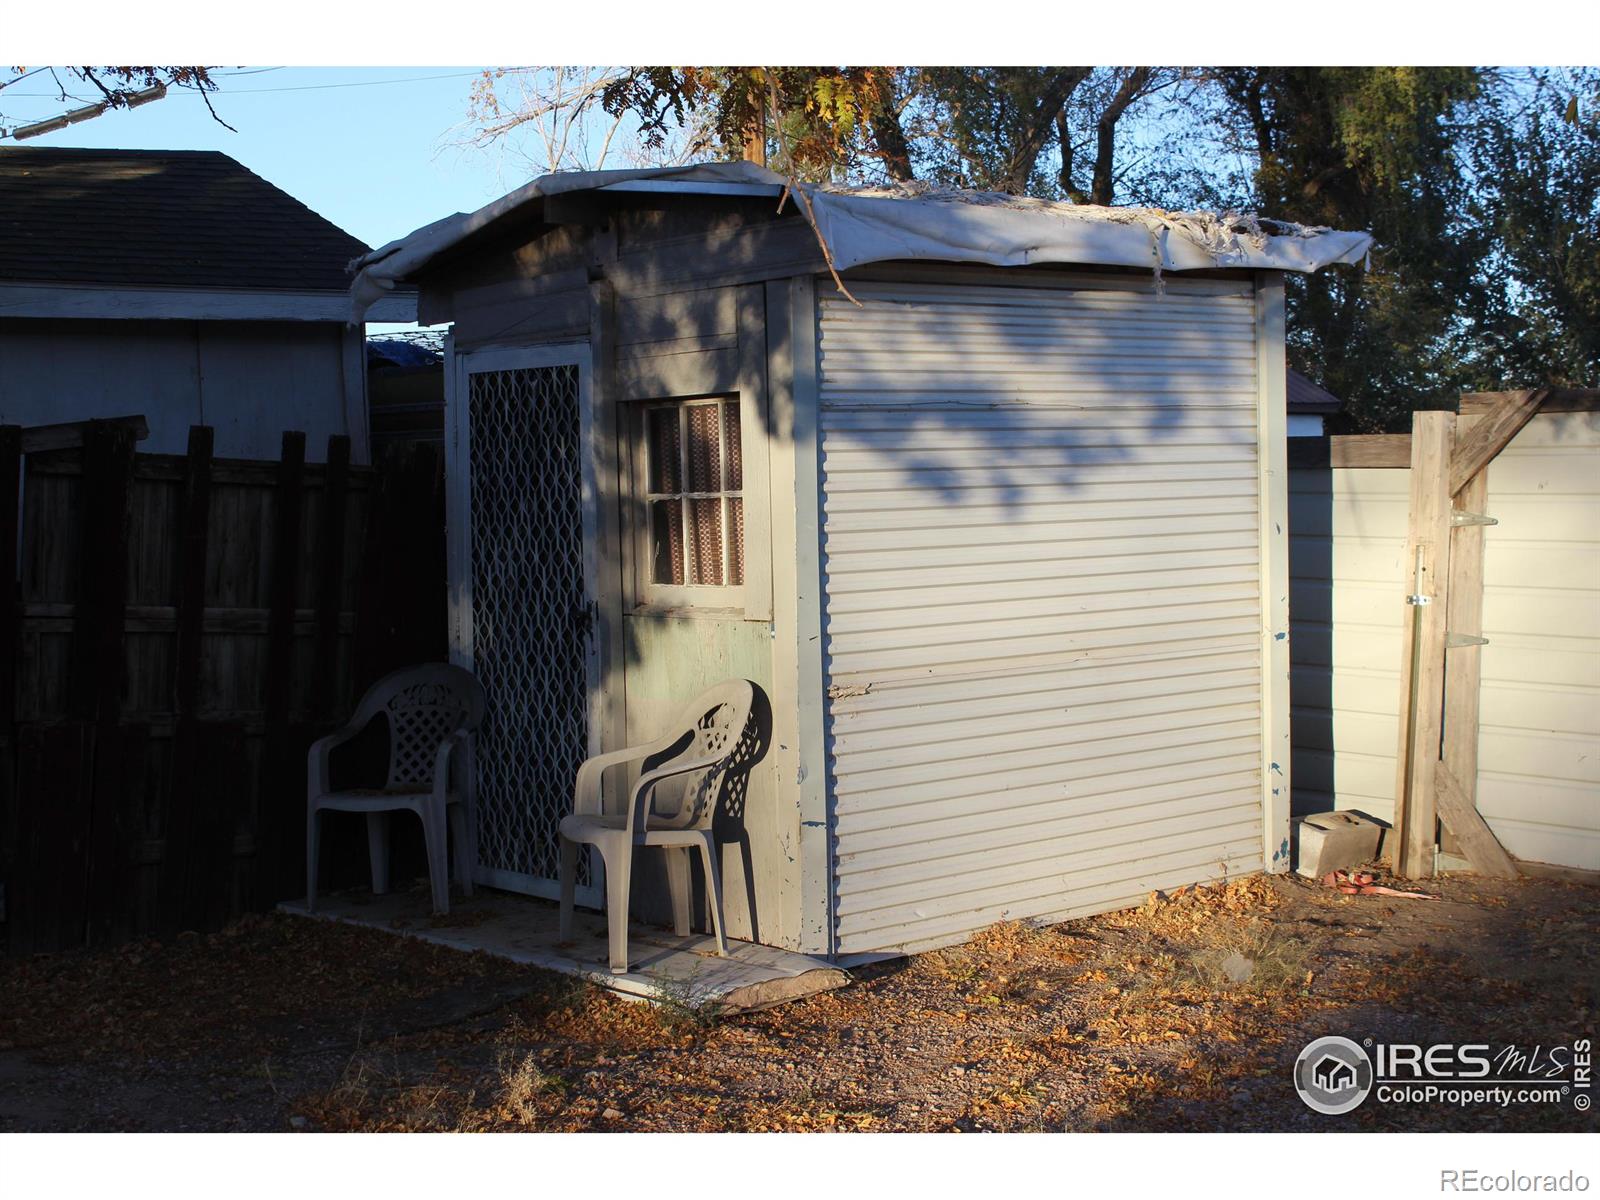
x,y
1437,760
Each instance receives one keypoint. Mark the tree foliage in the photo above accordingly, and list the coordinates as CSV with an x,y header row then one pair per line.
x,y
1481,188
1534,148
1367,148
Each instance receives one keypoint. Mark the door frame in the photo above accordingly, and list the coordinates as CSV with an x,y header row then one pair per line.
x,y
458,554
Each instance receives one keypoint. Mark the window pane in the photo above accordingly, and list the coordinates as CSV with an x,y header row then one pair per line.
x,y
735,540
666,541
705,542
664,457
705,458
735,460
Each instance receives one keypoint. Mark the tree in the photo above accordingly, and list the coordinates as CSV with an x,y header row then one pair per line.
x,y
1480,188
118,87
1534,147
989,128
552,119
1368,148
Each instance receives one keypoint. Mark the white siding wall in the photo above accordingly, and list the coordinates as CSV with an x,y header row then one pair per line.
x,y
1042,599
1539,749
250,380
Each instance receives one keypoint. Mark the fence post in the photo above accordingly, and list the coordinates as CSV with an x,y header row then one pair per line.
x,y
10,637
374,633
330,579
10,585
278,849
97,626
183,868
1427,571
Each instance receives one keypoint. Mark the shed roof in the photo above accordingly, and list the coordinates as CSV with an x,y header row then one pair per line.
x,y
866,225
167,218
1305,397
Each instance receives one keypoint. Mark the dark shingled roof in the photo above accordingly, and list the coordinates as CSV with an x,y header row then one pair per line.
x,y
174,218
1307,398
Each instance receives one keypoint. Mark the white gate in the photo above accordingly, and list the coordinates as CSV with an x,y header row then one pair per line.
x,y
522,597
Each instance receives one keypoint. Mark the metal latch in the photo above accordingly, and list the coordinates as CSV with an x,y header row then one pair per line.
x,y
1457,519
1455,641
1419,601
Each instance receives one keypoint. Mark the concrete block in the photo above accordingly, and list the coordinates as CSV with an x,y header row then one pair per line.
x,y
1330,841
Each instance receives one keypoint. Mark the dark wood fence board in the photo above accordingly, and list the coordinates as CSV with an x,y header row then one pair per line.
x,y
53,775
10,593
10,839
97,651
182,799
121,755
330,578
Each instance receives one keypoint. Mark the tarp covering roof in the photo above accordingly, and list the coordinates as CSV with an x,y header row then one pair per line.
x,y
881,224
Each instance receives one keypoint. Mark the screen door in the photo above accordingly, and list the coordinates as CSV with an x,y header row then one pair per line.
x,y
522,598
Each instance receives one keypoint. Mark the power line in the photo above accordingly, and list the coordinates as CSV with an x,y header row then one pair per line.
x,y
309,87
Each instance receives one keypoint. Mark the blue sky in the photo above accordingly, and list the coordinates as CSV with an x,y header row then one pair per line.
x,y
374,158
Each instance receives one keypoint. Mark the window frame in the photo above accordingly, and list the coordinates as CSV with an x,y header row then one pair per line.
x,y
646,595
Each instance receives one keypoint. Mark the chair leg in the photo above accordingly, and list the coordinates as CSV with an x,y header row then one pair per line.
x,y
708,855
679,884
617,886
469,822
569,885
313,829
435,834
378,851
460,845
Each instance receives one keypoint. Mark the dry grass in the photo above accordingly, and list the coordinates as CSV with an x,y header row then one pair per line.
x,y
1133,1020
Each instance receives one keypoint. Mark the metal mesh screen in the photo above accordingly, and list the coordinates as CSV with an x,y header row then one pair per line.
x,y
530,625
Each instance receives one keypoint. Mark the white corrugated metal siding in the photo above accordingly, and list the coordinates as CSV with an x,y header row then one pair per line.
x,y
1042,599
1539,745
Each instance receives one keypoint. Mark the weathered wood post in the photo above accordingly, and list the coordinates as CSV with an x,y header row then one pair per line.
x,y
1427,568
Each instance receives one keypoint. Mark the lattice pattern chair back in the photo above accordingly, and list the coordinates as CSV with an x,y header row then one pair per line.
x,y
424,706
718,720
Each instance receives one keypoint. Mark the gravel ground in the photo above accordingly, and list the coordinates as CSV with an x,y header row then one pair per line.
x,y
1186,1014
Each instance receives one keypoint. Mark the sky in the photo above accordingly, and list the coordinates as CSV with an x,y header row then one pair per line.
x,y
369,148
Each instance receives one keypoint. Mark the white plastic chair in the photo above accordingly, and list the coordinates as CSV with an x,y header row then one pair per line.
x,y
701,746
432,711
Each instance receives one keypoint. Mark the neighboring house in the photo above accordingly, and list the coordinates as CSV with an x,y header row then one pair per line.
x,y
1003,538
405,393
179,285
1309,406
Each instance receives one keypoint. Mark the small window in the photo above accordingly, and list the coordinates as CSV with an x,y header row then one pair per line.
x,y
693,544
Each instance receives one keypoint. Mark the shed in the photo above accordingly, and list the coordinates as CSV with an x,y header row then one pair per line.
x,y
1309,406
179,285
1001,534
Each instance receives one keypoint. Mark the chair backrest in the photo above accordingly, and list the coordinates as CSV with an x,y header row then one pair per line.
x,y
711,724
424,705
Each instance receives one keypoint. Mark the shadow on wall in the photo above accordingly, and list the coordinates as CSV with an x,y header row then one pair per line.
x,y
999,433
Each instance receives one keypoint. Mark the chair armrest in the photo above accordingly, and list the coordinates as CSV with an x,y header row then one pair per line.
x,y
586,788
647,782
317,781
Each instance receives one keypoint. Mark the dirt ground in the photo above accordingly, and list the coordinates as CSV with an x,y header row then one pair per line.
x,y
1186,1014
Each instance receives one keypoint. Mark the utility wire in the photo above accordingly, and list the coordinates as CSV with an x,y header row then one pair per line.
x,y
309,87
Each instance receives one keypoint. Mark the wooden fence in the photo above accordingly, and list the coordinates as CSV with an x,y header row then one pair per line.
x,y
179,629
